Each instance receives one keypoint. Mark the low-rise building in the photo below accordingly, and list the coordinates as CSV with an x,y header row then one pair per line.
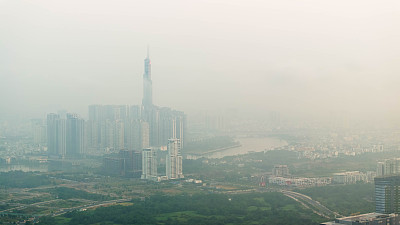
x,y
367,219
350,177
299,181
280,170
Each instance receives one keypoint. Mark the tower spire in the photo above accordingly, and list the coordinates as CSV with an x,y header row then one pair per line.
x,y
147,84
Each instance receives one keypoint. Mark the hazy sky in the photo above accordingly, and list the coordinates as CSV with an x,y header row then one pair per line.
x,y
308,56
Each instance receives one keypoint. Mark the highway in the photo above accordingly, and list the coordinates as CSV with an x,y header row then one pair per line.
x,y
308,202
89,206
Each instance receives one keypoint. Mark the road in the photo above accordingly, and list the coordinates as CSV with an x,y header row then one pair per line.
x,y
308,202
89,206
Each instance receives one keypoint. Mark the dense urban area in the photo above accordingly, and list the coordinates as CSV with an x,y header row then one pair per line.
x,y
145,164
245,112
300,175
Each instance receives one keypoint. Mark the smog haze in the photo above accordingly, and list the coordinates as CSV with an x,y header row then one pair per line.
x,y
311,57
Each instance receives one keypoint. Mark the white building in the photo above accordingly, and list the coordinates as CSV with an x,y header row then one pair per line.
x,y
174,160
149,164
299,181
350,177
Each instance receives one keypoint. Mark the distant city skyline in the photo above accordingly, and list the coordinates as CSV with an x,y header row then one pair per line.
x,y
299,58
200,112
116,127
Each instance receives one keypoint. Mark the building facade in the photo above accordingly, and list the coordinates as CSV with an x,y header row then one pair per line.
x,y
387,194
280,170
388,167
75,136
65,136
56,136
149,164
174,160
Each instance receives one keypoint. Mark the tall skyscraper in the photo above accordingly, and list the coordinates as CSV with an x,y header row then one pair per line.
x,y
119,141
109,126
56,135
38,131
174,160
149,164
147,83
180,127
140,128
144,141
92,135
387,194
52,133
75,136
137,135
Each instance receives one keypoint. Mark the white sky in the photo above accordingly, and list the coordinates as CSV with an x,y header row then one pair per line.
x,y
308,56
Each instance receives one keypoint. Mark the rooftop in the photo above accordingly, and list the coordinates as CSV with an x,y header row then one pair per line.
x,y
359,218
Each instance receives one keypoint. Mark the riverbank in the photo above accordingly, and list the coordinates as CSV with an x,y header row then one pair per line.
x,y
246,145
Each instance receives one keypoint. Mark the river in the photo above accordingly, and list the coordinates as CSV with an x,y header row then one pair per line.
x,y
249,145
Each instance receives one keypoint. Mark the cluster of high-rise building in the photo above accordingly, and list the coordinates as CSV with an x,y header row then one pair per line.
x,y
131,130
135,127
173,162
388,167
65,136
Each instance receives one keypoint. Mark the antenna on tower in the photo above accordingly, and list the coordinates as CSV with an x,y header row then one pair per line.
x,y
148,51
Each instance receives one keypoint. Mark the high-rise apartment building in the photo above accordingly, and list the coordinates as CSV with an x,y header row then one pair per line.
x,y
174,160
92,135
138,136
52,133
149,164
39,134
388,167
144,132
56,135
387,194
65,137
119,135
180,127
75,136
117,127
142,127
